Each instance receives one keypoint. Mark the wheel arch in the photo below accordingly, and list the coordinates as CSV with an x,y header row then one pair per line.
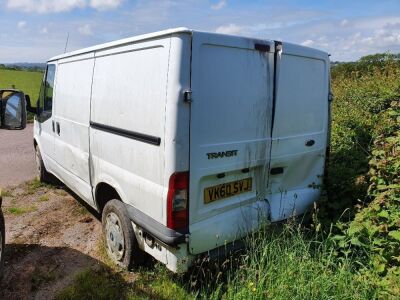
x,y
105,192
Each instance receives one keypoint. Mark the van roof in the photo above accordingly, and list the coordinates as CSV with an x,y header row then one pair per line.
x,y
122,42
298,49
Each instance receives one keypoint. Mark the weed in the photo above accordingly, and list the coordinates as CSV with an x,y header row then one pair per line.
x,y
44,198
6,193
21,210
32,186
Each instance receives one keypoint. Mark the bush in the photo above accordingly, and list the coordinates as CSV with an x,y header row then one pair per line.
x,y
359,117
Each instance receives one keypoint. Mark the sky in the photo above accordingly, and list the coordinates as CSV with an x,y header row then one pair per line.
x,y
35,30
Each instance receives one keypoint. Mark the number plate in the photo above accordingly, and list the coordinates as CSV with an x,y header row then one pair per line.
x,y
226,190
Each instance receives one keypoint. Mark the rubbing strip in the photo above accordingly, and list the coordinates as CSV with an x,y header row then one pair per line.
x,y
141,137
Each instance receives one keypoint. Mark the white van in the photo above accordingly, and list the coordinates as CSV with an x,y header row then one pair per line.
x,y
185,141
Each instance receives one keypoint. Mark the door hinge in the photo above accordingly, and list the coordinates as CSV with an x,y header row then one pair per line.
x,y
187,96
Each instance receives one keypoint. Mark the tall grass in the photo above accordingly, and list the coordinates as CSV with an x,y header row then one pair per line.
x,y
287,263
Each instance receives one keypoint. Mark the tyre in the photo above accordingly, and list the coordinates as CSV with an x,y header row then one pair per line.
x,y
43,175
120,239
2,242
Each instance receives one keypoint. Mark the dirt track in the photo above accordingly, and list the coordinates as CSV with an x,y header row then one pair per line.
x,y
50,237
17,158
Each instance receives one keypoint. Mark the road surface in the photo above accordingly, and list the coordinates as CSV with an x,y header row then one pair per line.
x,y
17,157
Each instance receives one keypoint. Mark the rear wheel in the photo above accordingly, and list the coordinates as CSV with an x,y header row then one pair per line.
x,y
2,242
120,239
43,175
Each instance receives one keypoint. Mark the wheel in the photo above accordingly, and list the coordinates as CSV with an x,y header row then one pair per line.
x,y
44,176
120,239
2,242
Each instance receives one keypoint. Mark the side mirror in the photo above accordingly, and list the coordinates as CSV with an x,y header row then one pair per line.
x,y
13,112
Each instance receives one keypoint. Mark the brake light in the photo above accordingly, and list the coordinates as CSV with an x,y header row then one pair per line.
x,y
178,201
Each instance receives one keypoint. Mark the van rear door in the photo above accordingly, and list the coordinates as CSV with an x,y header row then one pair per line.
x,y
230,137
300,130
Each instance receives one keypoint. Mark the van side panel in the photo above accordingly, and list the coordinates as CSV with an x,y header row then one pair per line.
x,y
72,109
127,136
299,131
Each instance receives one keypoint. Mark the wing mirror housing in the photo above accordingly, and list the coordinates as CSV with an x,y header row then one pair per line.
x,y
12,109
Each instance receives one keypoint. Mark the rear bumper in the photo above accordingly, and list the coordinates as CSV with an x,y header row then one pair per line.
x,y
154,228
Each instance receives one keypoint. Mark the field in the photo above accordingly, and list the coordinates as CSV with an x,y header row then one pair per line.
x,y
350,249
28,82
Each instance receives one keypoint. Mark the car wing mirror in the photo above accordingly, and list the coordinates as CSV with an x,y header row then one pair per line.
x,y
13,112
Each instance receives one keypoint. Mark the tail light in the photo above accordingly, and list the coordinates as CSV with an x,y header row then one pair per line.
x,y
178,201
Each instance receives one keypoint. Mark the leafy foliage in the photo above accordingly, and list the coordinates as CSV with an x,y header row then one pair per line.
x,y
365,169
359,116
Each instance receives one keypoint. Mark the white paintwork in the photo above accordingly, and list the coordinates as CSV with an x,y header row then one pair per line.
x,y
72,107
232,91
129,92
301,114
138,84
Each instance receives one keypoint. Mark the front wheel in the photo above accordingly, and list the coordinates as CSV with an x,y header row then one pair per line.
x,y
120,239
2,242
43,175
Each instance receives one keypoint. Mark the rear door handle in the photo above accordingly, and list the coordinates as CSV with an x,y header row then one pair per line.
x,y
58,128
52,125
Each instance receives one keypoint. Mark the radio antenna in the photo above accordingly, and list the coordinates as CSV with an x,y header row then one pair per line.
x,y
66,43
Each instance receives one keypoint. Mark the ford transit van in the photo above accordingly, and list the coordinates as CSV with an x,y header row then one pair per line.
x,y
185,141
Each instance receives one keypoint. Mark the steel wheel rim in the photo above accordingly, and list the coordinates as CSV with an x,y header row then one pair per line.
x,y
114,237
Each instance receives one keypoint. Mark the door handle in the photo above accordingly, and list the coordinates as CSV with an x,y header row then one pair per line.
x,y
52,125
58,128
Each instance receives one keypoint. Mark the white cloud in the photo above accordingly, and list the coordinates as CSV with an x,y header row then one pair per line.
x,y
44,30
44,6
104,4
52,6
219,5
308,43
21,24
230,29
85,29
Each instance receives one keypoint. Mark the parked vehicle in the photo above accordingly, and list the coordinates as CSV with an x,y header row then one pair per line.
x,y
185,141
12,116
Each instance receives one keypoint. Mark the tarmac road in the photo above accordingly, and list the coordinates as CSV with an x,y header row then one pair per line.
x,y
17,156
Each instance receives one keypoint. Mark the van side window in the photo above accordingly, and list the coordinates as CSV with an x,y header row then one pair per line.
x,y
46,94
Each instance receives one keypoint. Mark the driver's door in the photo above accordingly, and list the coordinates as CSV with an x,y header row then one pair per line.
x,y
45,122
